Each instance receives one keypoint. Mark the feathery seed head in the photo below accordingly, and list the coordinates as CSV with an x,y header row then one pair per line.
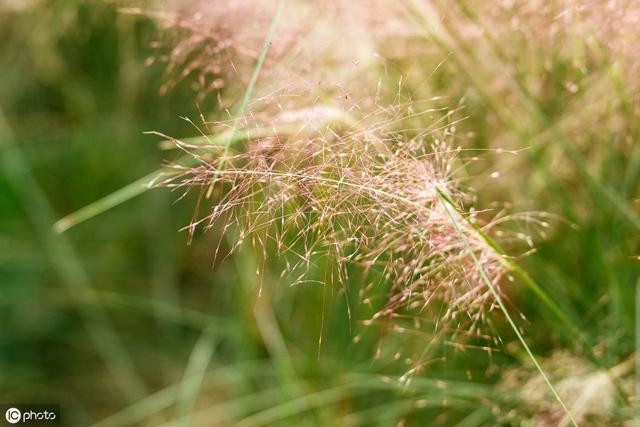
x,y
370,199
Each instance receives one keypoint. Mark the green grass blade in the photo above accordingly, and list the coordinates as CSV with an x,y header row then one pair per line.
x,y
445,202
114,199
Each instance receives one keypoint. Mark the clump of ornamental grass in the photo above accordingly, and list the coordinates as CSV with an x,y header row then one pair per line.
x,y
381,195
382,199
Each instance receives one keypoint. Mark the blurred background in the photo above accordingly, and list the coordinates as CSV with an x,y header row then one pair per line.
x,y
124,322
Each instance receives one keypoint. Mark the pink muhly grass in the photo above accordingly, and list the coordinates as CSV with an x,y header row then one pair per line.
x,y
369,198
377,197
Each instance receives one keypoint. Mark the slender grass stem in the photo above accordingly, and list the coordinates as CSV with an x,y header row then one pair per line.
x,y
522,275
446,203
254,76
